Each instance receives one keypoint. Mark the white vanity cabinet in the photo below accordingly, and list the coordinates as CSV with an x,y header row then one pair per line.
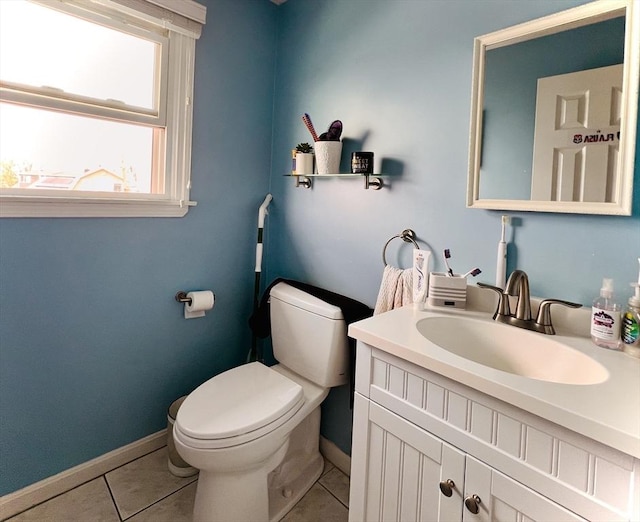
x,y
411,475
415,430
396,474
504,499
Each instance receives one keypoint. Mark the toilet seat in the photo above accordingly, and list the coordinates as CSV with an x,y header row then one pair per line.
x,y
237,406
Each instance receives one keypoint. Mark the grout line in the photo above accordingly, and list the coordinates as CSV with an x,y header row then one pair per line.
x,y
157,501
331,493
122,519
55,485
59,495
327,469
113,499
103,476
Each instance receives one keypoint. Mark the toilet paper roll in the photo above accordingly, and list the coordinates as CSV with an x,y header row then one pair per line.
x,y
201,301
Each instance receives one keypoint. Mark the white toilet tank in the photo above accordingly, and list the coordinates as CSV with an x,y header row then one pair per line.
x,y
309,336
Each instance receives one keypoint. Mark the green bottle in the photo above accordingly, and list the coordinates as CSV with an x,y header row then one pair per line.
x,y
630,324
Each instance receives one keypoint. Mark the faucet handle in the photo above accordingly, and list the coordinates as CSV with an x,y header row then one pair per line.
x,y
503,300
543,321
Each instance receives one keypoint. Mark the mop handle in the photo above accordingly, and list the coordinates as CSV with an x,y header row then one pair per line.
x,y
259,257
261,214
263,210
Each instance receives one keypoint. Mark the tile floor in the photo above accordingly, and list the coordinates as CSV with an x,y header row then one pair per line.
x,y
144,491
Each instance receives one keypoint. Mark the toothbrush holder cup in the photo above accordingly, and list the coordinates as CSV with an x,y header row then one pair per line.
x,y
328,156
447,291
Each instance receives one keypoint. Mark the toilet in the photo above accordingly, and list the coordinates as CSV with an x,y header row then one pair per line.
x,y
253,431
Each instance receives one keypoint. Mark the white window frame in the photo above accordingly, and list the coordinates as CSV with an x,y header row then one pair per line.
x,y
176,25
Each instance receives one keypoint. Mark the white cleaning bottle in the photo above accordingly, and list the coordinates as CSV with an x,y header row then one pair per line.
x,y
605,318
631,323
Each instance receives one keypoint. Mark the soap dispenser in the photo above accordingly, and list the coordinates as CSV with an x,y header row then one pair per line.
x,y
630,333
605,318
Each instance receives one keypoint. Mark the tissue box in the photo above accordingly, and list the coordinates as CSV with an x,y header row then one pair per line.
x,y
447,291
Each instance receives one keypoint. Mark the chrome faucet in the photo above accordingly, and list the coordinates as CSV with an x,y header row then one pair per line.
x,y
518,286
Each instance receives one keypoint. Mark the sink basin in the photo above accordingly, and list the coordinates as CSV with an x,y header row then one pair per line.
x,y
512,350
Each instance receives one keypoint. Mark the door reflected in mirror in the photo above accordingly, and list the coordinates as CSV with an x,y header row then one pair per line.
x,y
577,136
545,134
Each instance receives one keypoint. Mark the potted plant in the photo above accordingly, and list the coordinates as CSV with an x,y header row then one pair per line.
x,y
304,159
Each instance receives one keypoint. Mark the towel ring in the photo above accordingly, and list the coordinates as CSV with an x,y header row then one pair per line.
x,y
407,235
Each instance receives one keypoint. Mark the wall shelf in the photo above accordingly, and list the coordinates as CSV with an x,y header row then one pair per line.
x,y
371,181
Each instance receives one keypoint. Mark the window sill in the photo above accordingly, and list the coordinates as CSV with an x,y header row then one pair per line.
x,y
43,207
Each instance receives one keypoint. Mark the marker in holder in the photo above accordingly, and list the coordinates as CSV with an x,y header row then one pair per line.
x,y
447,291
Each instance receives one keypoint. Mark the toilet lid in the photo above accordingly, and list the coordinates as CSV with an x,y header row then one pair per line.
x,y
238,401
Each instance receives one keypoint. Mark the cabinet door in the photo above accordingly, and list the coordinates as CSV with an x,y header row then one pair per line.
x,y
402,468
505,500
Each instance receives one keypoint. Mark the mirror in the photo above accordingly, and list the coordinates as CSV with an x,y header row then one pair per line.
x,y
554,112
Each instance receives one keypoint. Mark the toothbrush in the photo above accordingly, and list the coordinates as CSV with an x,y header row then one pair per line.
x,y
307,121
447,254
473,272
501,265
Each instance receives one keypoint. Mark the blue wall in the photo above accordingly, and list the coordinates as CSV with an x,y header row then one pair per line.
x,y
398,74
93,347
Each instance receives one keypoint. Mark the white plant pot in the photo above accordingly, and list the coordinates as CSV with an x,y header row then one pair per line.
x,y
304,163
328,156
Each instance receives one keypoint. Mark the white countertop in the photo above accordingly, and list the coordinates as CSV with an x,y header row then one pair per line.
x,y
608,412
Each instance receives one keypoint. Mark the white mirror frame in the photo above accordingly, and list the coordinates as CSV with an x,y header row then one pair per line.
x,y
594,12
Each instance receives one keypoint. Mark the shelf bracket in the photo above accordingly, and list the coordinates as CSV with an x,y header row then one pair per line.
x,y
303,181
372,182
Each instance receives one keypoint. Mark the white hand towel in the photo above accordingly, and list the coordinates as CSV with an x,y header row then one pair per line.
x,y
396,289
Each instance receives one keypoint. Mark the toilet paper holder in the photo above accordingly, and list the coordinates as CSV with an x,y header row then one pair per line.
x,y
181,297
196,303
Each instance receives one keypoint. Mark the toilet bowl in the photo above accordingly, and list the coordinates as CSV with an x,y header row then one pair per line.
x,y
253,431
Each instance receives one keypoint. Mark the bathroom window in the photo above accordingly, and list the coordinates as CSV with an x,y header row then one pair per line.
x,y
96,107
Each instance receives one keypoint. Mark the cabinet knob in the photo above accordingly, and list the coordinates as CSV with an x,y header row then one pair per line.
x,y
471,503
446,487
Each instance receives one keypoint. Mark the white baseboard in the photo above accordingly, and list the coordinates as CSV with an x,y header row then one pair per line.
x,y
25,498
46,489
335,455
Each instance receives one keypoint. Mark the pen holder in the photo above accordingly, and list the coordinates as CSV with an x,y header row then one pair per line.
x,y
448,291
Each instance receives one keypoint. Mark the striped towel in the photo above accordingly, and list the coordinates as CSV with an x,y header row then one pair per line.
x,y
396,289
